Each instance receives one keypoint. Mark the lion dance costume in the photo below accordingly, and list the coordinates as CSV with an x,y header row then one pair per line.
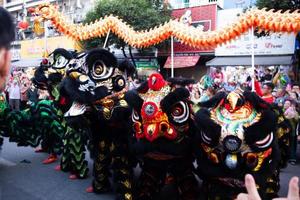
x,y
237,136
97,84
163,130
49,76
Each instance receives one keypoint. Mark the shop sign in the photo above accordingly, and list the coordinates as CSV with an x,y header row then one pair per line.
x,y
274,44
36,48
146,64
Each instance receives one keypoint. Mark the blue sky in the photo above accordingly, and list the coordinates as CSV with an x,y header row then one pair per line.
x,y
232,3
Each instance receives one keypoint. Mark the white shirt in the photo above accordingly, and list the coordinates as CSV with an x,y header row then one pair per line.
x,y
14,92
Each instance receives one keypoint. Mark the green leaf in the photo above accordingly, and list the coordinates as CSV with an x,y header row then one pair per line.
x,y
139,14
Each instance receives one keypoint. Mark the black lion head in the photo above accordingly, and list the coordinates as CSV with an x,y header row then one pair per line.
x,y
237,135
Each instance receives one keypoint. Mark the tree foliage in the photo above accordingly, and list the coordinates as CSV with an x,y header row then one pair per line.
x,y
140,14
279,4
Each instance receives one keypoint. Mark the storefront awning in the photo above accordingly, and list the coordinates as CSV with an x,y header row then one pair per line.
x,y
182,61
246,60
23,63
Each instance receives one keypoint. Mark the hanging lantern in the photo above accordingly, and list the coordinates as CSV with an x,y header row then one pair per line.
x,y
23,25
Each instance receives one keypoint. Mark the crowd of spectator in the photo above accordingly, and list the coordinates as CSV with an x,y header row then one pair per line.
x,y
20,92
275,87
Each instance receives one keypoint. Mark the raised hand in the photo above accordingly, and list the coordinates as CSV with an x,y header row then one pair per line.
x,y
252,193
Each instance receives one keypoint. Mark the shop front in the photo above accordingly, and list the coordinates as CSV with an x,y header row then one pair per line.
x,y
146,66
190,62
246,60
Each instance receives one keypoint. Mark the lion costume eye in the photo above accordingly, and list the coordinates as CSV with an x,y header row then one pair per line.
x,y
135,116
101,71
265,142
180,112
205,138
60,62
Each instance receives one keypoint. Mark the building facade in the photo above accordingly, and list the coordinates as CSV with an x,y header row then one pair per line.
x,y
274,51
275,47
188,61
179,4
33,41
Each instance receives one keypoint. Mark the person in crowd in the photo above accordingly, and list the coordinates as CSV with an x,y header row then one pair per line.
x,y
14,94
294,96
241,76
280,96
190,88
288,88
132,84
208,93
292,115
218,77
24,98
32,95
230,85
43,94
7,35
195,97
265,92
267,77
24,85
293,91
296,88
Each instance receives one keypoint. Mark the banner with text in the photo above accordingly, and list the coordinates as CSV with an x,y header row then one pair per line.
x,y
274,44
36,48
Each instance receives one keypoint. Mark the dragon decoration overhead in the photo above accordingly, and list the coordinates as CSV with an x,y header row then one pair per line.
x,y
265,20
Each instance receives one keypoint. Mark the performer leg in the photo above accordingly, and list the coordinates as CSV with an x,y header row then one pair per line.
x,y
101,172
11,104
150,181
273,185
77,150
123,174
187,185
212,190
65,162
17,105
49,145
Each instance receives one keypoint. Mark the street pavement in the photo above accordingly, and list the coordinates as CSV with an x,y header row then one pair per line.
x,y
35,181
